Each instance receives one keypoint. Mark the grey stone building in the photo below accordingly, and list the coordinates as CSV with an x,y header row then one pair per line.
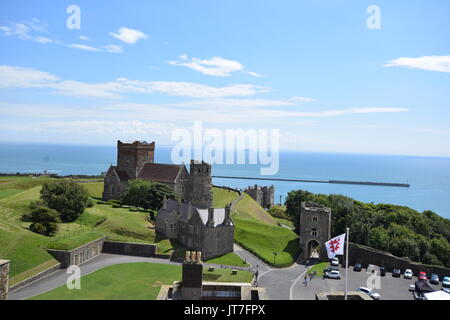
x,y
136,161
4,279
315,225
210,230
264,195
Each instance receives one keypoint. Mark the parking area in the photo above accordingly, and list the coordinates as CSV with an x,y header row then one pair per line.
x,y
391,288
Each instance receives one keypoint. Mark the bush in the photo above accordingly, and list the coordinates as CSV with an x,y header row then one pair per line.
x,y
44,220
68,198
89,203
147,195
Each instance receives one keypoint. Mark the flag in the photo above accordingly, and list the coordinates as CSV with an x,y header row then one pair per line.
x,y
335,246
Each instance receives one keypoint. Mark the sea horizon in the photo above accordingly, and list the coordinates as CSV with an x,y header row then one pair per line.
x,y
429,177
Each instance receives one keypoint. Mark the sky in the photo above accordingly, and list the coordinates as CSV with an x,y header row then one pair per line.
x,y
332,76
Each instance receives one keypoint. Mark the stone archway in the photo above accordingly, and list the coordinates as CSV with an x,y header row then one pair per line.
x,y
313,248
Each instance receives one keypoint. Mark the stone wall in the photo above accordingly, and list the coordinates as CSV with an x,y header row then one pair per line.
x,y
4,279
78,255
217,241
129,249
37,276
366,255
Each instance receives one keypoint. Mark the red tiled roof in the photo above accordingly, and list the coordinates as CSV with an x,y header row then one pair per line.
x,y
159,172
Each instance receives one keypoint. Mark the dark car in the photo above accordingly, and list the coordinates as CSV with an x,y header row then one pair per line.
x,y
357,267
382,271
396,273
434,278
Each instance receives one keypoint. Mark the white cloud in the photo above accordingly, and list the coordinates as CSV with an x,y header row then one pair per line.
x,y
84,38
27,30
302,99
19,77
113,48
432,63
83,47
127,35
215,66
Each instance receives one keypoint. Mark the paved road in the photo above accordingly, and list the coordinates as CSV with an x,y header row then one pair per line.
x,y
59,278
278,282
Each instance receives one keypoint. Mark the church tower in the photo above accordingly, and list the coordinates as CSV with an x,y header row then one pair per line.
x,y
199,191
131,157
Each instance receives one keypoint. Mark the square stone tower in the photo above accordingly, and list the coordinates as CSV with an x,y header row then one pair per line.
x,y
315,229
131,157
199,191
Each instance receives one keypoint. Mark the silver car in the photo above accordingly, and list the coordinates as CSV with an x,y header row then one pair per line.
x,y
333,274
370,293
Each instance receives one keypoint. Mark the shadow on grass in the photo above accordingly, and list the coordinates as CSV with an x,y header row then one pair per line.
x,y
292,247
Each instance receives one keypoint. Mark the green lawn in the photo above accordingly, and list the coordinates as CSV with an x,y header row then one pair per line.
x,y
133,281
229,259
318,268
130,281
249,209
222,197
74,241
286,222
263,240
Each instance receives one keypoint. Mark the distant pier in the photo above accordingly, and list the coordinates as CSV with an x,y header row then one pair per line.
x,y
366,183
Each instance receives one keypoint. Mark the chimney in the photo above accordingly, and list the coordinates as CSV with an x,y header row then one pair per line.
x,y
227,219
210,222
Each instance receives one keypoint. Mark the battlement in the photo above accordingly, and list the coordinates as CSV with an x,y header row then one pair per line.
x,y
315,207
263,195
136,143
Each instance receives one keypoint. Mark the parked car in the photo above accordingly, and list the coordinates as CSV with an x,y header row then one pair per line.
x,y
412,287
423,275
446,282
333,274
396,273
446,290
408,274
382,271
434,278
357,267
335,262
370,292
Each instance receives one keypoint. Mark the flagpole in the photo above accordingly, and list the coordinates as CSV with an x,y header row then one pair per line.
x,y
346,265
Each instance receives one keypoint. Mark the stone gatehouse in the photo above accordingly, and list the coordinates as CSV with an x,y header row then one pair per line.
x,y
210,230
315,229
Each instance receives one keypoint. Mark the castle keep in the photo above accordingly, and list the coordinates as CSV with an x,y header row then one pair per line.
x,y
264,196
136,161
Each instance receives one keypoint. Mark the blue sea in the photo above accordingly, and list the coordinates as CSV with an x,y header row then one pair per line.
x,y
429,177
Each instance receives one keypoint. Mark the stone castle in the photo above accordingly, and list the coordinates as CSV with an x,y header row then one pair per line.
x,y
210,230
264,196
192,221
135,160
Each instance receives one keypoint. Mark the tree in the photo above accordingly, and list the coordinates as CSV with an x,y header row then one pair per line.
x,y
67,198
144,194
44,220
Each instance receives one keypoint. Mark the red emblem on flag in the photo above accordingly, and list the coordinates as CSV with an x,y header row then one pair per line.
x,y
334,245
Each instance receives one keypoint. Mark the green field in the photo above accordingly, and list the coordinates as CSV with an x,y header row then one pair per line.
x,y
222,197
249,209
133,281
265,240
